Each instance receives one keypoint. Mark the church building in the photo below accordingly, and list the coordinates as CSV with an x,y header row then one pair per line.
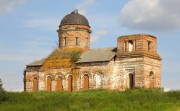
x,y
74,66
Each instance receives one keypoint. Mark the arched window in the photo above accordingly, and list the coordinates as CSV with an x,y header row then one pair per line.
x,y
98,78
86,82
70,79
151,74
35,84
130,43
151,79
49,83
59,86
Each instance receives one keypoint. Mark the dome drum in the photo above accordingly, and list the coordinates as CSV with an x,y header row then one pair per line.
x,y
74,28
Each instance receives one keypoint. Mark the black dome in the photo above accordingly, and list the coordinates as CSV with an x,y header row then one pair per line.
x,y
74,19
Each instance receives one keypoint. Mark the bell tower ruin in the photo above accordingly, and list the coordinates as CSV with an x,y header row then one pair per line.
x,y
139,60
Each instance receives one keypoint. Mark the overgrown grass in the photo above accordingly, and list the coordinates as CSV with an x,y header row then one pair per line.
x,y
93,100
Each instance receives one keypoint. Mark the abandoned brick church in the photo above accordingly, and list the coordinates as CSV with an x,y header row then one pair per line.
x,y
73,66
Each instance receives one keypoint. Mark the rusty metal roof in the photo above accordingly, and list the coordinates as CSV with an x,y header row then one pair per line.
x,y
74,19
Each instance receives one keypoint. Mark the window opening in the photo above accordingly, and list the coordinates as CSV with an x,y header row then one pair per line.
x,y
149,45
65,41
130,44
77,40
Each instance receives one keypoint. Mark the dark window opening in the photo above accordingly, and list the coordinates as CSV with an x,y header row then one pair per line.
x,y
149,45
151,74
77,40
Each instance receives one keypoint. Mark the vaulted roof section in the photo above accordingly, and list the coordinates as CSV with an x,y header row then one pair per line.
x,y
37,63
98,55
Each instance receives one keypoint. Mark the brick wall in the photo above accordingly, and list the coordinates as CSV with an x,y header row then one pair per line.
x,y
70,32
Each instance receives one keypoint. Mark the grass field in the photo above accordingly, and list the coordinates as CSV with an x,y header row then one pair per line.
x,y
93,100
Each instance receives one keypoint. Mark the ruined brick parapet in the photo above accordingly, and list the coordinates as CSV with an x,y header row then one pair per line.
x,y
137,45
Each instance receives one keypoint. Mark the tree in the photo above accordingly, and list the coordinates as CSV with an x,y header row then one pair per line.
x,y
3,96
75,55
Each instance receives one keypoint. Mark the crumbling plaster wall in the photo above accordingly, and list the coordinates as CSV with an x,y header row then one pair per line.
x,y
124,67
95,69
30,73
140,67
153,65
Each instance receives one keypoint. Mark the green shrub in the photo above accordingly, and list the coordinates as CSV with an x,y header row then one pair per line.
x,y
3,96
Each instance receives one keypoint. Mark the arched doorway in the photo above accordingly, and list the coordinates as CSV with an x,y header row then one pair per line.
x,y
49,83
35,84
131,81
151,79
86,82
70,83
59,84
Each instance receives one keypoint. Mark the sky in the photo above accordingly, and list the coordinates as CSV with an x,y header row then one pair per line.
x,y
28,31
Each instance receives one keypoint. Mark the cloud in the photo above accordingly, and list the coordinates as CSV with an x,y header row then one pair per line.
x,y
42,23
84,6
151,15
97,35
8,5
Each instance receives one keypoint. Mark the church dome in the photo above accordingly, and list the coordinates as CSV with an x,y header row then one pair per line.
x,y
74,19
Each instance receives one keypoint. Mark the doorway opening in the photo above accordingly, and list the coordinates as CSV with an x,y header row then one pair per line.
x,y
59,84
35,84
131,81
70,83
49,83
86,82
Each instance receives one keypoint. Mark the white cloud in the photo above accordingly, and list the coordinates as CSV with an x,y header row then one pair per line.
x,y
97,35
84,6
8,5
43,23
151,15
